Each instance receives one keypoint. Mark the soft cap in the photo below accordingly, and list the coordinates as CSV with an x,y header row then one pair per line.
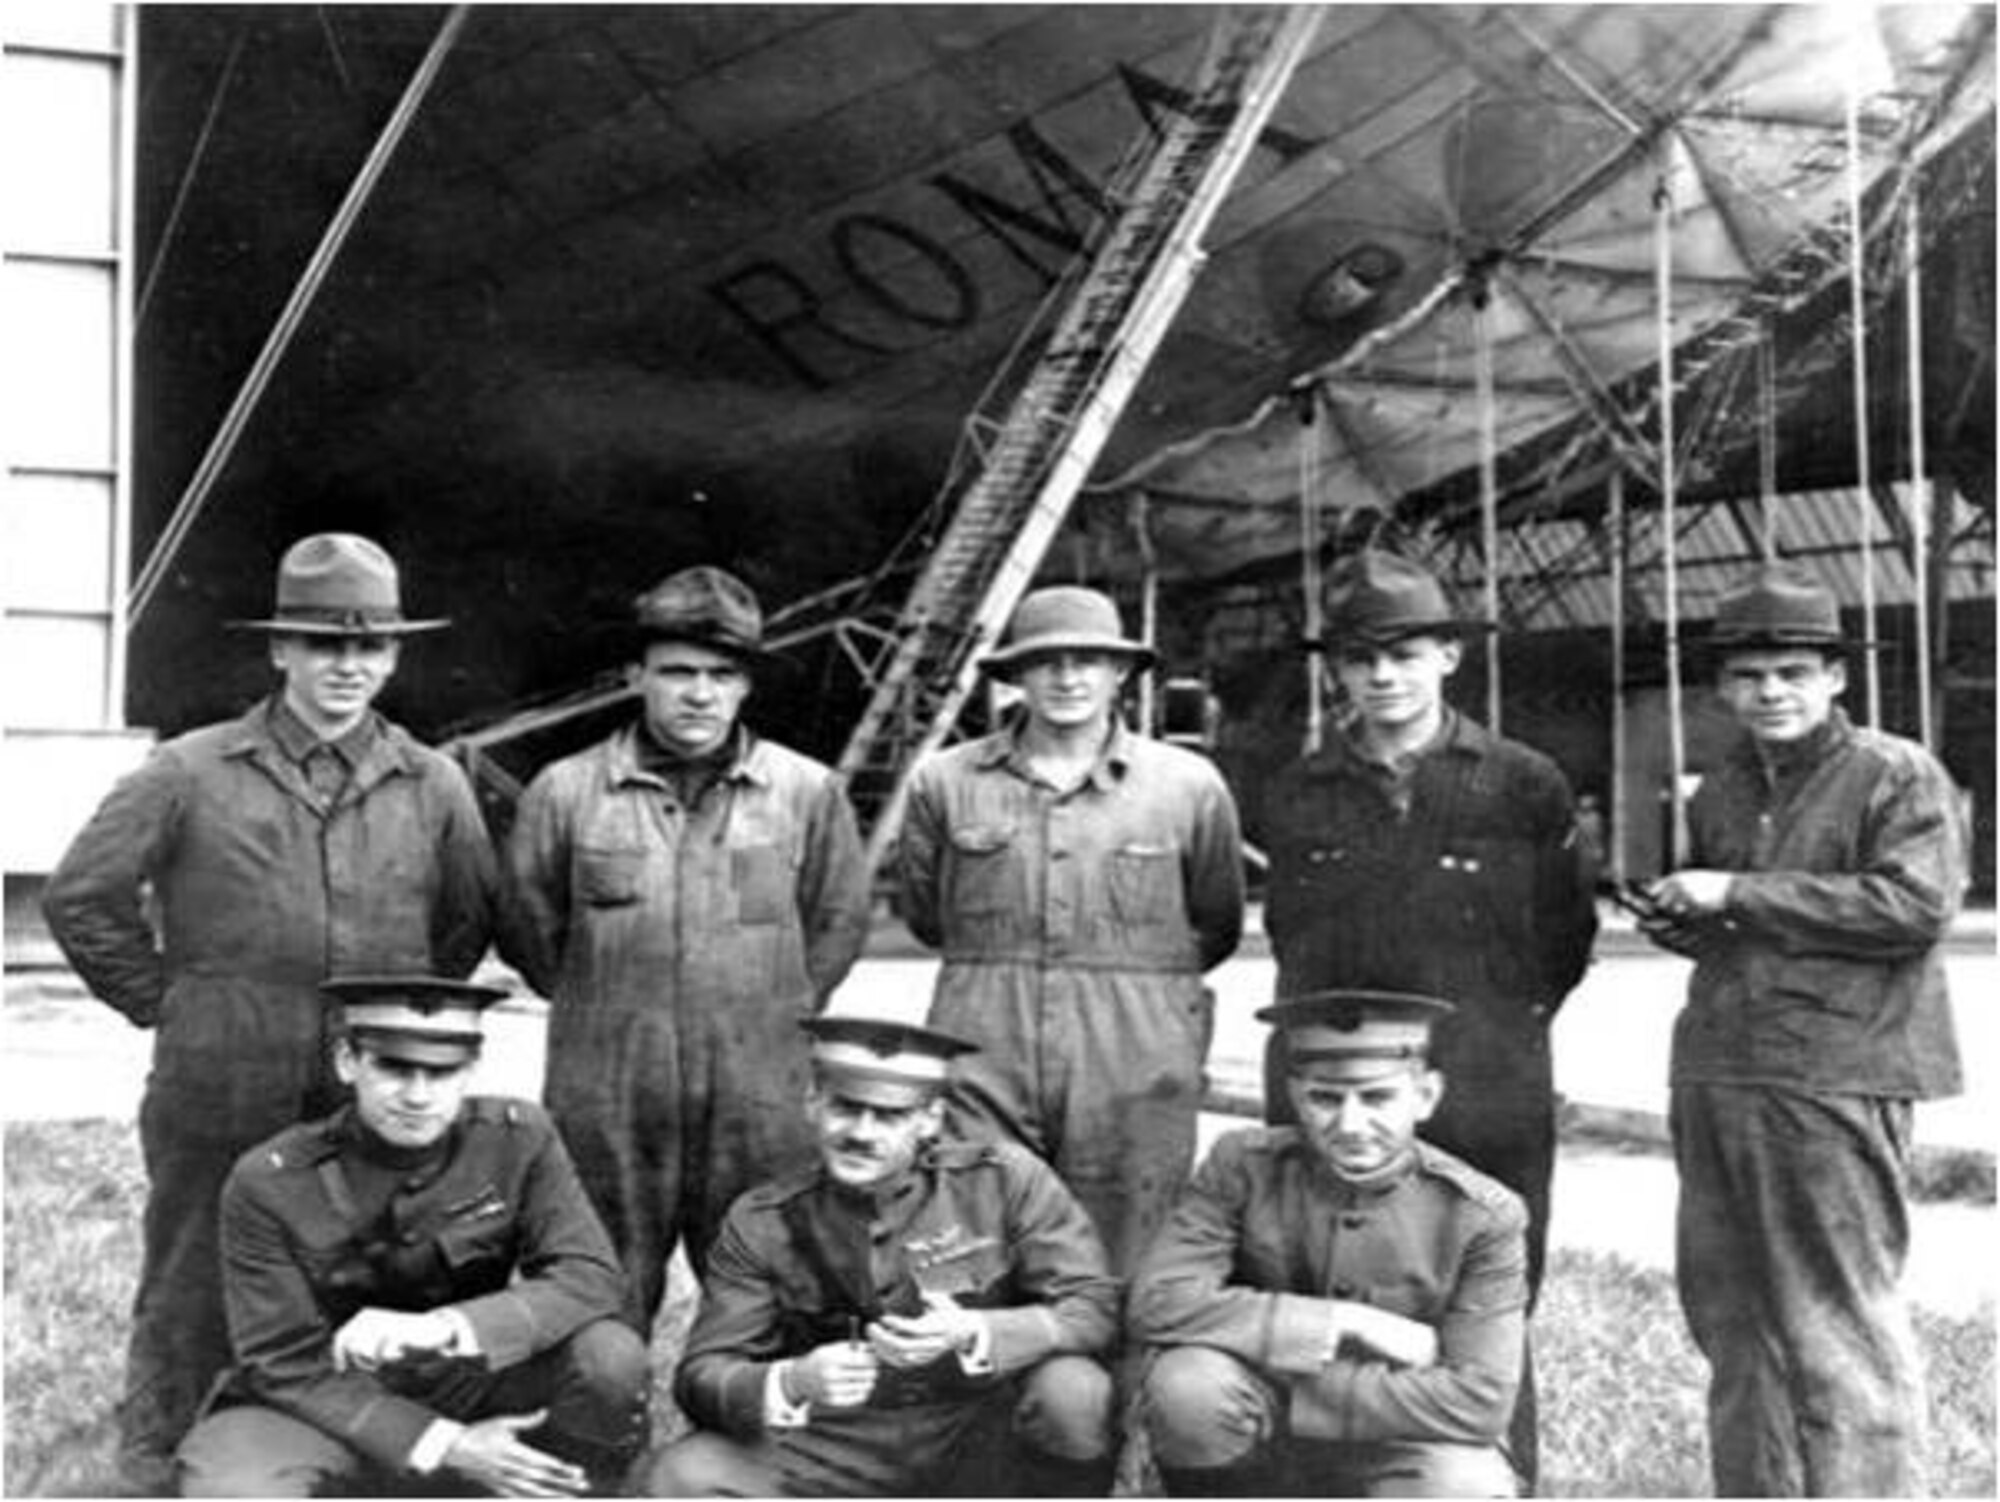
x,y
881,1062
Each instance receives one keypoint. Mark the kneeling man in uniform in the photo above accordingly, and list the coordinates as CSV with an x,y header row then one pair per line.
x,y
911,1317
1335,1308
419,1293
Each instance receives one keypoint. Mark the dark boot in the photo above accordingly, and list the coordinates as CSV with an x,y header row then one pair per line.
x,y
1038,1474
1248,1478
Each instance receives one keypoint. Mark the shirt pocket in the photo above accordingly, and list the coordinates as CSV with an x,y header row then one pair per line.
x,y
985,871
761,875
1146,882
609,875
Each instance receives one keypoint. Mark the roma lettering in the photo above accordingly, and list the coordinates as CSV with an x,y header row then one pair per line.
x,y
907,277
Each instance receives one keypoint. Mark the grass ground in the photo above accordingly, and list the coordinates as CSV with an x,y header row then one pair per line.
x,y
1621,1386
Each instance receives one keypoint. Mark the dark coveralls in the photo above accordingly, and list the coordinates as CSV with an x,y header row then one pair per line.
x,y
1816,1014
679,948
322,1222
1472,887
1245,1397
263,890
1075,929
804,1261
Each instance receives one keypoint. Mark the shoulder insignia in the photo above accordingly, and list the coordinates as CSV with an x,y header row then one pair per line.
x,y
772,1193
1467,1180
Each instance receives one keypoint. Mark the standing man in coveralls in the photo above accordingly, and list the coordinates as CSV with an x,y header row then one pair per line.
x,y
417,1286
1825,865
309,837
683,893
1420,852
913,1317
1336,1308
1079,879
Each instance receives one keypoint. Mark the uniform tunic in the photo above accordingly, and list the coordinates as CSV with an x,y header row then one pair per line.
x,y
263,889
679,948
316,1227
1075,928
805,1261
1266,1237
1816,1013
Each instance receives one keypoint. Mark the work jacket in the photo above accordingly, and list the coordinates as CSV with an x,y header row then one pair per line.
x,y
495,1228
1139,870
1266,1237
803,1261
261,893
1824,970
1479,891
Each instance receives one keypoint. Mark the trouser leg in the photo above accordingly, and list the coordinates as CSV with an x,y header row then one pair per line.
x,y
1718,1265
259,1452
1816,1186
179,1340
1211,1422
627,1153
1127,1115
1411,1469
710,1465
1061,1431
594,1386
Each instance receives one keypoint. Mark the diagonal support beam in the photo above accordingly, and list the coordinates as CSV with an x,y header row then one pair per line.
x,y
223,446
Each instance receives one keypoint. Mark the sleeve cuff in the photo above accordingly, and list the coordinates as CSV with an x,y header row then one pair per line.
x,y
428,1453
976,1360
778,1413
464,1339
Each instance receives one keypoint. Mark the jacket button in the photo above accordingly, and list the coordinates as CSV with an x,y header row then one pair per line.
x,y
408,1238
1353,1222
1343,1290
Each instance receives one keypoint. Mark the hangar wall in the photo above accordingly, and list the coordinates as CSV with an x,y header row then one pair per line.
x,y
66,79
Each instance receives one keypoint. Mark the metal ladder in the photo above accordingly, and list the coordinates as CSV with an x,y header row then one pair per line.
x,y
1026,469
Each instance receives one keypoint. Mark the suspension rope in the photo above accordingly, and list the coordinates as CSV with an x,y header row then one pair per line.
x,y
1663,297
1920,485
1307,399
1489,487
1615,814
1864,479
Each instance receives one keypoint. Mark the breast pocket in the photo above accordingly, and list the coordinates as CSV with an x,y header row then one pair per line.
x,y
1146,882
985,871
609,875
477,1254
762,876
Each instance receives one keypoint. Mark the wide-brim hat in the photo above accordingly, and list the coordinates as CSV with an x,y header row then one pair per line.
x,y
1064,618
422,1019
1779,608
338,584
1381,597
706,607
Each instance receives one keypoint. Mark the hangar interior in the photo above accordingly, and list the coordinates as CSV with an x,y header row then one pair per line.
x,y
553,300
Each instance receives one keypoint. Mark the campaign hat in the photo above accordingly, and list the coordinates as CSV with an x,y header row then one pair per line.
x,y
881,1061
420,1019
1378,597
338,584
1776,607
1064,618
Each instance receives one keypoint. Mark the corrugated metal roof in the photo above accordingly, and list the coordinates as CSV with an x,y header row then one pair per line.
x,y
1556,574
